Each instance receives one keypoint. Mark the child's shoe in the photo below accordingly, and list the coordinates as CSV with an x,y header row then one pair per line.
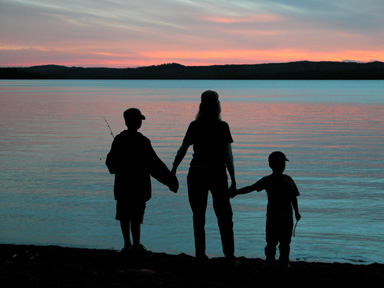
x,y
141,251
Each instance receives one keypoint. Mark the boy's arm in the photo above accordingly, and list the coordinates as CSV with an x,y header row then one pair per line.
x,y
161,173
296,208
244,190
294,202
111,158
247,189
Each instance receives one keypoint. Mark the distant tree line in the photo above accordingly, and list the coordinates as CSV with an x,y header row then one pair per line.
x,y
292,70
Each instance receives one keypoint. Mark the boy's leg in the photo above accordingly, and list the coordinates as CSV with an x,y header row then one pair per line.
x,y
137,217
198,197
136,233
285,240
124,224
224,214
126,231
271,239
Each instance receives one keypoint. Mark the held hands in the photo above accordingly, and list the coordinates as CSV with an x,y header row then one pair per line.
x,y
174,183
173,171
297,216
232,190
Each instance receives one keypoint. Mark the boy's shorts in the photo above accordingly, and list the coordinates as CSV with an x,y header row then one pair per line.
x,y
133,212
279,229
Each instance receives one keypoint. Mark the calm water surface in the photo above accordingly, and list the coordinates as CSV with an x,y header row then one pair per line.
x,y
55,188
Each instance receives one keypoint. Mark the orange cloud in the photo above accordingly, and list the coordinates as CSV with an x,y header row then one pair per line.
x,y
247,19
22,47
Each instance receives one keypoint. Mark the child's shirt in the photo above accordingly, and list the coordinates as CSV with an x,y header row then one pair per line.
x,y
133,160
281,189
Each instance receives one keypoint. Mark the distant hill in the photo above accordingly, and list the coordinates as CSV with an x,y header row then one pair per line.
x,y
292,70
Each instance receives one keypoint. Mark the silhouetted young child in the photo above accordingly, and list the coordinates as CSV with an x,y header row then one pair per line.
x,y
282,192
133,160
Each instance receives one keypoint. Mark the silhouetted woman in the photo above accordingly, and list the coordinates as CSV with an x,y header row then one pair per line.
x,y
211,139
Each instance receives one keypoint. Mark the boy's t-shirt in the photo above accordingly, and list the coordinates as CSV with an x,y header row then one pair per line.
x,y
281,189
133,160
209,140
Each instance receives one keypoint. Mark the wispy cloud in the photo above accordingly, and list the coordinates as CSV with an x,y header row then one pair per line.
x,y
131,33
264,18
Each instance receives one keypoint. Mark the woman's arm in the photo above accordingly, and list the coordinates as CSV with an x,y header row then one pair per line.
x,y
230,165
179,156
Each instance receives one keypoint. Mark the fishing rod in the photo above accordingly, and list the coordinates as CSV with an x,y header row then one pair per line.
x,y
109,127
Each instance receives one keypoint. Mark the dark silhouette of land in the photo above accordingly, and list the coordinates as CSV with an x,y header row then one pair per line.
x,y
53,266
292,70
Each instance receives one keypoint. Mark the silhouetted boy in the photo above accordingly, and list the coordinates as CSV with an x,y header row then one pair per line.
x,y
282,193
133,160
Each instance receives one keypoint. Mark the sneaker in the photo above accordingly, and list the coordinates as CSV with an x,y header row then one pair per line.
x,y
202,260
284,266
232,262
126,251
141,251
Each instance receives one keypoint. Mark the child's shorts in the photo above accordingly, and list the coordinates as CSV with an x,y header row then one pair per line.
x,y
133,212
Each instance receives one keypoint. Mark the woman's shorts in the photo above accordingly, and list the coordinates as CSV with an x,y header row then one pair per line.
x,y
133,212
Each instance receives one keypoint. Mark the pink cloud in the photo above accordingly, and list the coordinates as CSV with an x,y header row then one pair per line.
x,y
245,19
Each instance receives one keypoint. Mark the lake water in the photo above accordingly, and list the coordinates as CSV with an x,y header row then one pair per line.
x,y
56,190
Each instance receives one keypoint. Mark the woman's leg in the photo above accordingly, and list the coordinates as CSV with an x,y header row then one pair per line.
x,y
223,211
198,196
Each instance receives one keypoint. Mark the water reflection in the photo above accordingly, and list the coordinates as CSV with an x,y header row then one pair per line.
x,y
53,142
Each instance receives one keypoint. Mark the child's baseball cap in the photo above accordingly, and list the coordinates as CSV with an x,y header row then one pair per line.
x,y
133,114
277,157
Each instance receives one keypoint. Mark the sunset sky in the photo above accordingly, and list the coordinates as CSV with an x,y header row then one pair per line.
x,y
131,33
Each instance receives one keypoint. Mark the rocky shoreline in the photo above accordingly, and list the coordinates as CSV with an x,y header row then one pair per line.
x,y
54,266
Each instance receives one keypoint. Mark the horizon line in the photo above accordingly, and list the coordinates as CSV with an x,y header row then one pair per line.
x,y
175,63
